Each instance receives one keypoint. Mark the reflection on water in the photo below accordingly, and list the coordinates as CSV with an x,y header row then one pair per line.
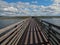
x,y
4,23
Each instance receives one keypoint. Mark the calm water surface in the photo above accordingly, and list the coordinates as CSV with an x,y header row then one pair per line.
x,y
7,22
55,21
4,23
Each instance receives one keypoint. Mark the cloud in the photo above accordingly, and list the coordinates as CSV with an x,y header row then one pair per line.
x,y
56,7
12,9
27,9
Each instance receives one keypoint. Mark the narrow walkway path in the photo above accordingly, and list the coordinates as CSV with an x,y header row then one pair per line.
x,y
33,35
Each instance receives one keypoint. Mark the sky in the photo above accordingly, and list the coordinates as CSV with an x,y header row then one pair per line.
x,y
37,2
29,7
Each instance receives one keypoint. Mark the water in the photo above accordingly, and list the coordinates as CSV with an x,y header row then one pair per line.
x,y
4,23
55,21
7,22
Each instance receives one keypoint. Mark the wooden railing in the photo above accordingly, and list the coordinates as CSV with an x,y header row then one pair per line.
x,y
51,31
10,35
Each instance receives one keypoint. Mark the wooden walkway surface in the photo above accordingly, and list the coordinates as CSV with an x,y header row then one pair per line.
x,y
30,31
33,35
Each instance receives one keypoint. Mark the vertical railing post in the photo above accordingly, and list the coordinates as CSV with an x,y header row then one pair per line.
x,y
49,29
41,24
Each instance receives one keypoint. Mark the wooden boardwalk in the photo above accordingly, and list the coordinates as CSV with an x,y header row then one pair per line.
x,y
29,32
33,35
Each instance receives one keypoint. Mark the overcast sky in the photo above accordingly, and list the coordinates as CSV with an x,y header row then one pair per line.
x,y
29,7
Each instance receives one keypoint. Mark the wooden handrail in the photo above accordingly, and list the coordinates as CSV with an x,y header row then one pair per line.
x,y
51,32
14,34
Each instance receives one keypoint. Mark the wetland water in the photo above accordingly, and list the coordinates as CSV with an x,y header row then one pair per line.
x,y
7,22
55,21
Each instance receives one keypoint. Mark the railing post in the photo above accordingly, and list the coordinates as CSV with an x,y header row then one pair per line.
x,y
41,25
49,29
